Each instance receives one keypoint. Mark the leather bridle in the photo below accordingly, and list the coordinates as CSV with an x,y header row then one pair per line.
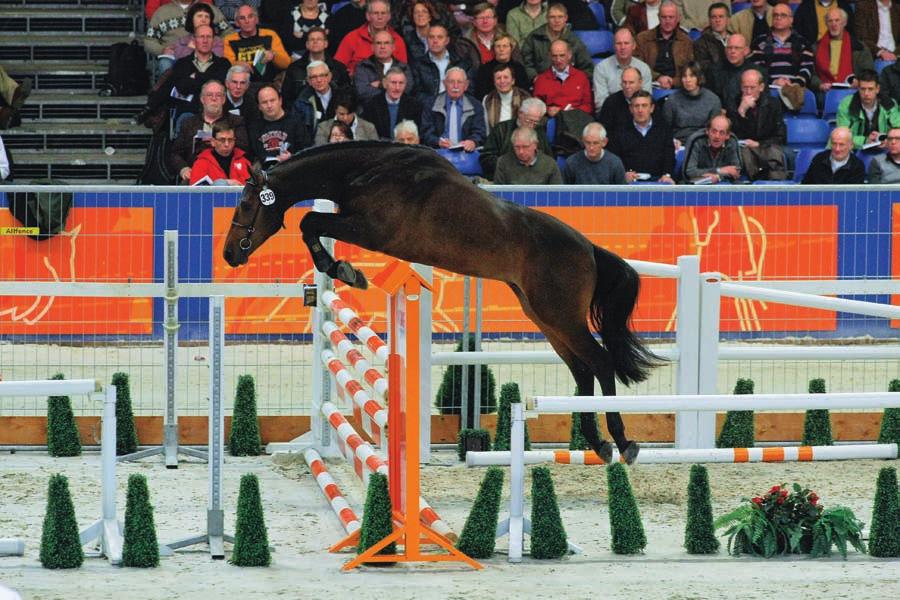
x,y
246,243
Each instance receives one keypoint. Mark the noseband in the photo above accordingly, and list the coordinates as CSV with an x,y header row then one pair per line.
x,y
245,243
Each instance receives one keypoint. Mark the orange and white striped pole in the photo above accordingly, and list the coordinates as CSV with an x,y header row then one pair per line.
x,y
332,492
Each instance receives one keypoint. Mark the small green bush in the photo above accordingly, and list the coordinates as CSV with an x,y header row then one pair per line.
x,y
700,534
62,432
245,439
378,518
251,540
817,423
890,420
449,395
60,541
509,395
884,536
472,439
548,536
126,432
624,518
141,548
577,441
737,431
480,531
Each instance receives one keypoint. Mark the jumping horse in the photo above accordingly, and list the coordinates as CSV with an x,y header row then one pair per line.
x,y
410,203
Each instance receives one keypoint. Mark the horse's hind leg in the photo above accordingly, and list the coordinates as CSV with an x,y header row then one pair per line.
x,y
314,226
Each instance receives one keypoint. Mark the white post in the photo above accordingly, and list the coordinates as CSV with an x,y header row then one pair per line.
x,y
687,340
516,524
710,306
323,386
425,364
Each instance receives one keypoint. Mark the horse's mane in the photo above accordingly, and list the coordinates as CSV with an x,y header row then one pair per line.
x,y
344,146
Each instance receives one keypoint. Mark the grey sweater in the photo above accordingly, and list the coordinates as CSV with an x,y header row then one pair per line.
x,y
685,114
883,170
606,171
700,160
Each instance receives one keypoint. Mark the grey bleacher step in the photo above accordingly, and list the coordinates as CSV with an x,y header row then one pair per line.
x,y
70,3
68,75
68,18
48,106
37,135
66,46
78,165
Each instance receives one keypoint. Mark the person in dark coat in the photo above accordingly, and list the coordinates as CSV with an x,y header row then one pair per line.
x,y
393,105
838,165
758,123
645,145
809,20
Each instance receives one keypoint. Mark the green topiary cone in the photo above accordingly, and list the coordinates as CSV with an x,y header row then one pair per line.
x,y
126,433
890,420
378,520
548,536
245,439
737,431
449,394
576,439
509,395
480,531
251,541
699,534
140,548
817,423
472,439
884,536
60,542
62,432
624,518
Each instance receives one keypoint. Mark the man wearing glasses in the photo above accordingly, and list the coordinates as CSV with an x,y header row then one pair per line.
x,y
224,163
786,56
499,141
357,45
885,168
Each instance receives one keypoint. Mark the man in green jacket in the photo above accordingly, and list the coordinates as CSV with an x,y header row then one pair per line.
x,y
536,47
865,114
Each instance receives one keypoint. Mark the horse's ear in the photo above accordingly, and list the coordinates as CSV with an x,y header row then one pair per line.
x,y
256,175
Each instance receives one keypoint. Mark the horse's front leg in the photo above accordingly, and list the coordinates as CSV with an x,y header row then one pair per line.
x,y
314,226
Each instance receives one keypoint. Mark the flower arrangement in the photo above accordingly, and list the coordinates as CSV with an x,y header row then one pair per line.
x,y
786,521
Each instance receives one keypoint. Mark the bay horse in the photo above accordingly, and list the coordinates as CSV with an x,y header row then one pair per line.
x,y
410,203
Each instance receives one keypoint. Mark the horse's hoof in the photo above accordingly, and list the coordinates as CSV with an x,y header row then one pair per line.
x,y
344,271
360,280
630,453
606,453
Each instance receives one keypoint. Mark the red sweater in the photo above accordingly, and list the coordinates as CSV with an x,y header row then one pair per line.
x,y
207,165
357,47
574,92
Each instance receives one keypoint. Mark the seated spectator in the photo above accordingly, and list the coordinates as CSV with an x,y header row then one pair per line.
x,y
195,135
229,7
344,20
885,168
357,44
838,55
277,135
499,142
387,109
644,145
563,87
504,48
757,122
369,72
5,166
724,78
594,166
345,109
338,131
642,16
618,9
665,48
866,113
224,163
753,22
406,132
608,74
12,98
709,48
198,14
167,26
615,110
292,20
525,165
525,18
810,17
237,99
295,76
485,27
430,71
890,81
877,26
453,118
257,48
689,109
536,47
786,56
504,102
838,165
713,156
694,14
314,104
421,16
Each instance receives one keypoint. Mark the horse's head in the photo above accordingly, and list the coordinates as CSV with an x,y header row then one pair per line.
x,y
258,216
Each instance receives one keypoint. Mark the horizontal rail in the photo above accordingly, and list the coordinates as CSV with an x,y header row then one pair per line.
x,y
795,352
149,290
713,402
50,387
859,307
654,269
517,357
828,287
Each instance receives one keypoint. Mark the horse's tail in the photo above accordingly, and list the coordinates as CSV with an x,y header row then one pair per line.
x,y
615,294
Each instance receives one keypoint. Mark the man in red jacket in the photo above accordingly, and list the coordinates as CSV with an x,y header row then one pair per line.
x,y
357,45
224,163
562,87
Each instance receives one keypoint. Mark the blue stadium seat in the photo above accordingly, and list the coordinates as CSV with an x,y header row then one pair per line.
x,y
739,6
551,130
599,14
465,162
679,164
774,182
807,133
833,99
866,157
338,5
599,42
659,93
561,163
694,34
881,64
801,163
809,110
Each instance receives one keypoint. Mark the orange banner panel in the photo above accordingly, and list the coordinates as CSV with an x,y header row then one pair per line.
x,y
98,245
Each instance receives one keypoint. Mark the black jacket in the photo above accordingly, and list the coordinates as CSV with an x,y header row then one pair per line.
x,y
765,125
186,148
376,112
819,173
295,78
187,80
653,153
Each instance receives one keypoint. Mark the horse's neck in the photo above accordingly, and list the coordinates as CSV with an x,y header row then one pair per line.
x,y
308,180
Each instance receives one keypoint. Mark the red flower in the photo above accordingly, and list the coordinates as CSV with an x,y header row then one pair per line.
x,y
780,500
775,489
758,501
813,498
784,493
